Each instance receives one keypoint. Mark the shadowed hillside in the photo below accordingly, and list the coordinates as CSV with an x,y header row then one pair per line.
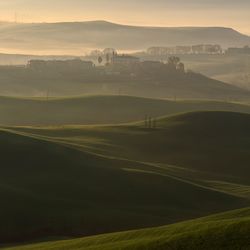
x,y
98,110
51,190
208,148
161,83
223,231
183,140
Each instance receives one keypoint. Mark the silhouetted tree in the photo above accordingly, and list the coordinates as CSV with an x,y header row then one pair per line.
x,y
173,61
100,60
181,67
149,122
107,58
146,121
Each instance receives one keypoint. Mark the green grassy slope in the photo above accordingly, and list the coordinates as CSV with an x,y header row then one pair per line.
x,y
47,189
223,231
211,148
98,109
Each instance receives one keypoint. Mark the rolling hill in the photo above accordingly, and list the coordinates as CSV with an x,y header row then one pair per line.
x,y
207,148
23,82
74,37
98,109
56,189
223,231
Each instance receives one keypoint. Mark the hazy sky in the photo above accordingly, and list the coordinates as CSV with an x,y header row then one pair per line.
x,y
230,13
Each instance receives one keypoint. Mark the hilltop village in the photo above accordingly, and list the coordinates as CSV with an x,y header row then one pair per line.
x,y
163,74
110,63
155,61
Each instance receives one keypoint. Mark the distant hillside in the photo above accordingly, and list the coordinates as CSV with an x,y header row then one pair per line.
x,y
49,190
228,231
79,36
227,68
98,110
18,81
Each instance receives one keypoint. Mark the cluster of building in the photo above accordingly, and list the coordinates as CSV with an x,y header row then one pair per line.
x,y
104,52
182,50
60,65
108,60
79,65
110,57
124,59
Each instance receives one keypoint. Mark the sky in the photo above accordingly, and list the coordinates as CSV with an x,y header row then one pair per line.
x,y
227,13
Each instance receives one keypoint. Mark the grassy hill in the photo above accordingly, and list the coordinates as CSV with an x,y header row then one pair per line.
x,y
50,190
73,37
208,148
223,231
23,82
98,109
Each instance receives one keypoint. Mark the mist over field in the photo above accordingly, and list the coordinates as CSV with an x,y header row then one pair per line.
x,y
81,37
124,125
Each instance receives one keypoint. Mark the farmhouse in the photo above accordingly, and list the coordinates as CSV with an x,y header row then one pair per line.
x,y
75,64
124,60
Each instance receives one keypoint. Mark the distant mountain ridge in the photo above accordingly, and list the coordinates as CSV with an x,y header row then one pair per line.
x,y
79,36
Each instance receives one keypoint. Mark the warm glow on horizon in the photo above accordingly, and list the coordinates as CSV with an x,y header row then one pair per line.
x,y
149,13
